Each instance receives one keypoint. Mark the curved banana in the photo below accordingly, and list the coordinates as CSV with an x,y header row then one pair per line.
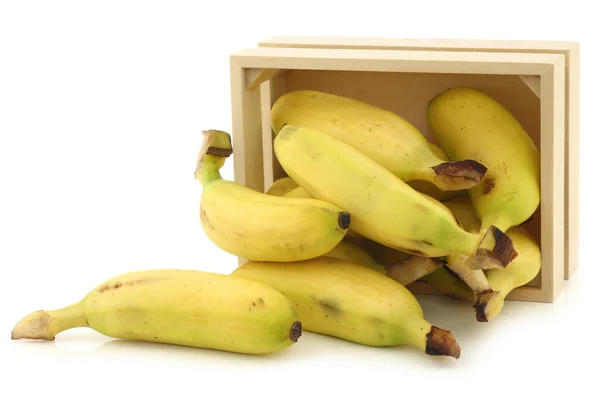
x,y
349,301
349,251
383,208
380,134
518,272
282,186
470,124
258,226
183,307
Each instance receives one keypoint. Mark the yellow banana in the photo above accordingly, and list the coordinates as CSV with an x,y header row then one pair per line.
x,y
380,134
518,272
470,124
349,251
282,186
447,283
346,300
183,307
259,226
383,208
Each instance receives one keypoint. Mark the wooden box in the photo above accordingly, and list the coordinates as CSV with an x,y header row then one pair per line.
x,y
537,81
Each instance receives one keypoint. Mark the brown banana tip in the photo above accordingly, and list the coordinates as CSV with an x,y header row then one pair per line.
x,y
458,175
441,342
487,305
296,331
504,249
344,220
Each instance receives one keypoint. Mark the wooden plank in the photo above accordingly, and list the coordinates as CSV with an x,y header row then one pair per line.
x,y
552,180
533,82
572,146
255,76
395,61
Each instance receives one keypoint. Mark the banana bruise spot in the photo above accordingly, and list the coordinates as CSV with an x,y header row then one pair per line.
x,y
485,305
119,284
458,175
488,185
296,331
344,220
330,306
441,342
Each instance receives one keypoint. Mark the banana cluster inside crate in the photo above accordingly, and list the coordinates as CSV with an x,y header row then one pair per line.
x,y
536,81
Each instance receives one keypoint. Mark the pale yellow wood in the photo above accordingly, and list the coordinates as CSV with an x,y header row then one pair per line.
x,y
394,61
425,73
253,77
552,146
246,131
533,82
572,165
568,48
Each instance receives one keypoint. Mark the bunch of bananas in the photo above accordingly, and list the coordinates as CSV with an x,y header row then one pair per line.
x,y
368,206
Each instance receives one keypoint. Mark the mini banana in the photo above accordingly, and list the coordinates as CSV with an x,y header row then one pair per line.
x,y
380,134
383,208
282,186
258,226
518,272
349,301
467,123
183,307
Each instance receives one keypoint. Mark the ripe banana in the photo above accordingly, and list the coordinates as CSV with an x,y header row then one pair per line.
x,y
383,208
258,226
282,186
518,272
469,124
380,134
348,251
346,300
183,307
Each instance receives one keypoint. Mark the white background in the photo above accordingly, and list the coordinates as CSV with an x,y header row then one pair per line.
x,y
101,107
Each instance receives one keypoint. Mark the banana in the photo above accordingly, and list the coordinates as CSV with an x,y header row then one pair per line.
x,y
383,207
349,301
282,186
380,134
182,307
258,226
447,283
518,272
348,251
470,124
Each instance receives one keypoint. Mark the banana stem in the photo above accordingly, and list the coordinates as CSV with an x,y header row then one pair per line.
x,y
45,325
208,171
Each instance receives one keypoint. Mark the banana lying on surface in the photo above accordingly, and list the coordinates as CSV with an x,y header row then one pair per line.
x,y
183,307
383,208
469,124
349,301
380,134
259,226
518,272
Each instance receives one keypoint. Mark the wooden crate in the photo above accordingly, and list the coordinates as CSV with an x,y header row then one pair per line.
x,y
530,84
571,53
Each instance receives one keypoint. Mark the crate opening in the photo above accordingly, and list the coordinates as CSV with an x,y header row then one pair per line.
x,y
406,94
